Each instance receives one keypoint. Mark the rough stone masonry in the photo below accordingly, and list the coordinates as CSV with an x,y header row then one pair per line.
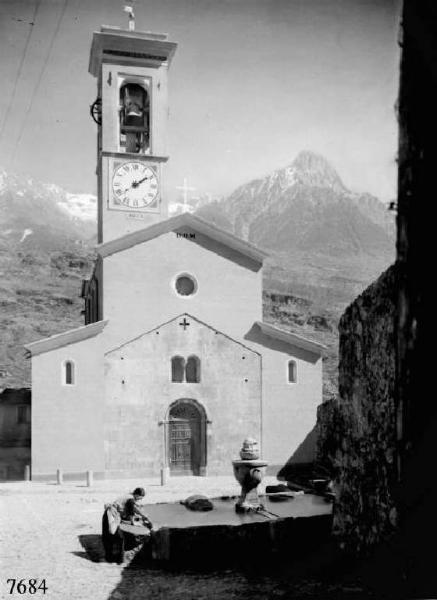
x,y
358,429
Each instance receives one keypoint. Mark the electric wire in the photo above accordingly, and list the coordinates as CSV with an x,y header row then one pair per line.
x,y
20,67
38,83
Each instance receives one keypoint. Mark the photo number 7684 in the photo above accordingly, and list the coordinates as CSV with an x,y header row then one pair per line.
x,y
26,586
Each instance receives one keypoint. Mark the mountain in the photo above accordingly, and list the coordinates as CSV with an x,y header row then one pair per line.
x,y
41,216
45,251
308,208
322,238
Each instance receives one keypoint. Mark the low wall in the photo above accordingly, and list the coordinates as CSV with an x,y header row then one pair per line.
x,y
357,430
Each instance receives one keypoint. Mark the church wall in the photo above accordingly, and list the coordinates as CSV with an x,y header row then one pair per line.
x,y
140,393
67,428
139,293
289,409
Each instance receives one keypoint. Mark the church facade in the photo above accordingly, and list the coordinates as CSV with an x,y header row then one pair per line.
x,y
174,366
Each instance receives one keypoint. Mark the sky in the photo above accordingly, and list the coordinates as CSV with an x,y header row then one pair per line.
x,y
253,83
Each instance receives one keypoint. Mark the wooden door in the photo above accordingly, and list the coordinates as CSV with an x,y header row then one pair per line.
x,y
186,439
181,442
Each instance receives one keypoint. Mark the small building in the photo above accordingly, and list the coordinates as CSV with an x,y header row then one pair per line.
x,y
15,420
174,365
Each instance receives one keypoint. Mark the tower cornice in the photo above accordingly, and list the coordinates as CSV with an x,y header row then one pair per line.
x,y
121,46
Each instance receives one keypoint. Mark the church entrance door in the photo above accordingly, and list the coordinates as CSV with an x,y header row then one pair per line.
x,y
186,439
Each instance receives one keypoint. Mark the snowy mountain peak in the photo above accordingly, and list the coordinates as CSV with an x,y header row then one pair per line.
x,y
82,207
309,168
305,206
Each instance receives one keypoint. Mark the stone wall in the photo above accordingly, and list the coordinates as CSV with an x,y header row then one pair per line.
x,y
357,431
413,567
415,395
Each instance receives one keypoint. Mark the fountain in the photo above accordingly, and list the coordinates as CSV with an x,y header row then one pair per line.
x,y
247,530
249,472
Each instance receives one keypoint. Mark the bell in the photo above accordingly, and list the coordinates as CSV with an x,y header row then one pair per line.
x,y
133,111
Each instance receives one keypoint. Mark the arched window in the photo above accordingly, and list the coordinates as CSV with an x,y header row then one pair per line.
x,y
177,369
192,370
134,117
292,371
69,373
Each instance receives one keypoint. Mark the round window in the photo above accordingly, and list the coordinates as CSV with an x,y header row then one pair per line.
x,y
185,285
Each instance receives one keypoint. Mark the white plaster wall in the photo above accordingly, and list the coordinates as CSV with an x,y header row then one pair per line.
x,y
67,420
289,409
139,393
139,293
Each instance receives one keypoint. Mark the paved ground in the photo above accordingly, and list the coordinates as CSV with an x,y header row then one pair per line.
x,y
52,532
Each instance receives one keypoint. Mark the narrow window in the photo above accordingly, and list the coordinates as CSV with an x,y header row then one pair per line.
x,y
192,370
177,369
69,372
23,414
292,371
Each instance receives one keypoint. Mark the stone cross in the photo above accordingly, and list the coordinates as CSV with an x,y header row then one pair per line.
x,y
185,188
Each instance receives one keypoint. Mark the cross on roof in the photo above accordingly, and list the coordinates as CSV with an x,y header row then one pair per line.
x,y
184,324
185,189
129,9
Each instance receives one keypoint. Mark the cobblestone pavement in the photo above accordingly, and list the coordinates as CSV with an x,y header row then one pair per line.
x,y
42,526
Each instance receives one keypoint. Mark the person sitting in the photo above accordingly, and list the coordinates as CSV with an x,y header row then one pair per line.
x,y
123,510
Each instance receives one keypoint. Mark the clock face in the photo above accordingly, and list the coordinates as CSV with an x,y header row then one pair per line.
x,y
134,185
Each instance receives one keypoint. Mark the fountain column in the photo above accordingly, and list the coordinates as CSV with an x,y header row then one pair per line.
x,y
249,472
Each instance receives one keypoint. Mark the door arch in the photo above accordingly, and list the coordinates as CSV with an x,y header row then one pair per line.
x,y
187,438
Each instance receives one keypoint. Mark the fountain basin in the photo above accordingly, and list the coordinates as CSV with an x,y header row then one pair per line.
x,y
222,536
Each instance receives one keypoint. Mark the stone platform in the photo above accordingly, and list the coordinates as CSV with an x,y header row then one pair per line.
x,y
222,536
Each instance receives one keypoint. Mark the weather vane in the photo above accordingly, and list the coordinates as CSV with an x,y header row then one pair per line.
x,y
129,9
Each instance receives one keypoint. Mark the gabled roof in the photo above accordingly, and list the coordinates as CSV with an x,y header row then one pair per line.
x,y
181,316
291,338
176,224
64,339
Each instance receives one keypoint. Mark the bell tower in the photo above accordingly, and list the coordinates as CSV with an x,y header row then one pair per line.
x,y
131,113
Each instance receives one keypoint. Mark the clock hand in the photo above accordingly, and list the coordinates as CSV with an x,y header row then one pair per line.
x,y
141,180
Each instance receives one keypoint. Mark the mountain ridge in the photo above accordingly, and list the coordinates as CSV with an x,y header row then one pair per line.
x,y
308,183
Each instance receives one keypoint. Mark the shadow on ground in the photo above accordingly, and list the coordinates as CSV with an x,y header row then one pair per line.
x,y
92,544
321,575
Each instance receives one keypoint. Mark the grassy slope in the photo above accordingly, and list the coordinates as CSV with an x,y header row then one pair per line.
x,y
310,320
39,296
